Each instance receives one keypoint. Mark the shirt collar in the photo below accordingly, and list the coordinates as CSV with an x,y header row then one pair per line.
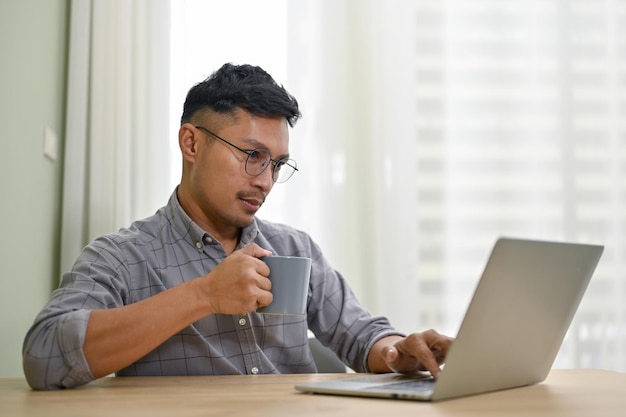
x,y
194,234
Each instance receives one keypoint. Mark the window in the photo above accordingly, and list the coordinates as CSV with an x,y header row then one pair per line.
x,y
205,34
519,134
432,128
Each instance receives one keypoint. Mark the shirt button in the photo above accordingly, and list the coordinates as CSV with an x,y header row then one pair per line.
x,y
208,240
199,245
254,370
242,321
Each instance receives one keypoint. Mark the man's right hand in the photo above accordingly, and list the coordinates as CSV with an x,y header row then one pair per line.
x,y
239,284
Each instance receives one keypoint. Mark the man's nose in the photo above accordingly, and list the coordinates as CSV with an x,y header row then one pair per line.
x,y
265,179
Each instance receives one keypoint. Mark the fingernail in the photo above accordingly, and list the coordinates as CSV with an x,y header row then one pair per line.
x,y
388,353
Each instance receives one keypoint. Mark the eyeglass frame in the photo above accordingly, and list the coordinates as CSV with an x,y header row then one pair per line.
x,y
249,154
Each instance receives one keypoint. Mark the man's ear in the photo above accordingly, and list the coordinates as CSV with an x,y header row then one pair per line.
x,y
187,141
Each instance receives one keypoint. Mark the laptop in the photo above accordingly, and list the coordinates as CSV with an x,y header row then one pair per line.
x,y
511,332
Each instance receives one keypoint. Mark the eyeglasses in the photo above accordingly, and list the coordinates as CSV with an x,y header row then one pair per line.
x,y
259,159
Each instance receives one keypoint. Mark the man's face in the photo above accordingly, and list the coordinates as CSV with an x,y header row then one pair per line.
x,y
224,194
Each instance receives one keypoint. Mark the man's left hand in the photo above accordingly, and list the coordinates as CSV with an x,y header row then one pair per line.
x,y
425,351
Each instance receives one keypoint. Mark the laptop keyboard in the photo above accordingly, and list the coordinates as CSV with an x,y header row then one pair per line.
x,y
414,385
397,382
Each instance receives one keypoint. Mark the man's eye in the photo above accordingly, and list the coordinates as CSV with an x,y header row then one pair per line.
x,y
255,155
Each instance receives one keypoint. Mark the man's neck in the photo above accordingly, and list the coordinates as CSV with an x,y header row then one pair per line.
x,y
228,236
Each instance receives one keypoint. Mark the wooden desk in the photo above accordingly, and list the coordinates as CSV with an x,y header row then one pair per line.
x,y
568,393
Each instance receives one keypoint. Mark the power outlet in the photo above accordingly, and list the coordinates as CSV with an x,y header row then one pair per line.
x,y
50,144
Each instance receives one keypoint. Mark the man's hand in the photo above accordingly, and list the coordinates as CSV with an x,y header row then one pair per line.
x,y
239,284
424,351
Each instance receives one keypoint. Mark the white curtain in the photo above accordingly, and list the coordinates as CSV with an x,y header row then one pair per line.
x,y
432,128
116,161
356,145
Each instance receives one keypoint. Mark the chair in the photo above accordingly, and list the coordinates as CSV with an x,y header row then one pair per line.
x,y
325,359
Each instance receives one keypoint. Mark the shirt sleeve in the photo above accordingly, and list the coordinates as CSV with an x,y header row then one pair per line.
x,y
52,353
338,319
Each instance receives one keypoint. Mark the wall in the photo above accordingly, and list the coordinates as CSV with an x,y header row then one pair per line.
x,y
33,36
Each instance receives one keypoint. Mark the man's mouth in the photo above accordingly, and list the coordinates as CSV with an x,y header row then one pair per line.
x,y
253,202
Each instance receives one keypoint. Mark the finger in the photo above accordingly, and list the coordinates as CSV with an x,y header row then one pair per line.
x,y
418,347
390,355
264,283
264,299
438,344
255,250
262,269
430,363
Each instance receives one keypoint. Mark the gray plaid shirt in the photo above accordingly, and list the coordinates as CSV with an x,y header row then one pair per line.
x,y
166,250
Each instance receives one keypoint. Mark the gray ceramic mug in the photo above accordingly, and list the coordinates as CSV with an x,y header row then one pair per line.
x,y
290,284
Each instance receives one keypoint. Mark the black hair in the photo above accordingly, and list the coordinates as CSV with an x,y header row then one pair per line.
x,y
241,86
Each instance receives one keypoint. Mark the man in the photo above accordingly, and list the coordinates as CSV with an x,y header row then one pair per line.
x,y
176,293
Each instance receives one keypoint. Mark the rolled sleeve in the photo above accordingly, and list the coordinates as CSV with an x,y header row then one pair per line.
x,y
55,359
53,347
337,318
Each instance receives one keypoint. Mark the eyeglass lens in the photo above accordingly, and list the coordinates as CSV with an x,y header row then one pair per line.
x,y
259,159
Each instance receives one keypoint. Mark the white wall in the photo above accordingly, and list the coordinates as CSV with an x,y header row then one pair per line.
x,y
32,95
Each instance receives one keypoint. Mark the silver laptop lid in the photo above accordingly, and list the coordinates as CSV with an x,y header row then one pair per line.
x,y
518,317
